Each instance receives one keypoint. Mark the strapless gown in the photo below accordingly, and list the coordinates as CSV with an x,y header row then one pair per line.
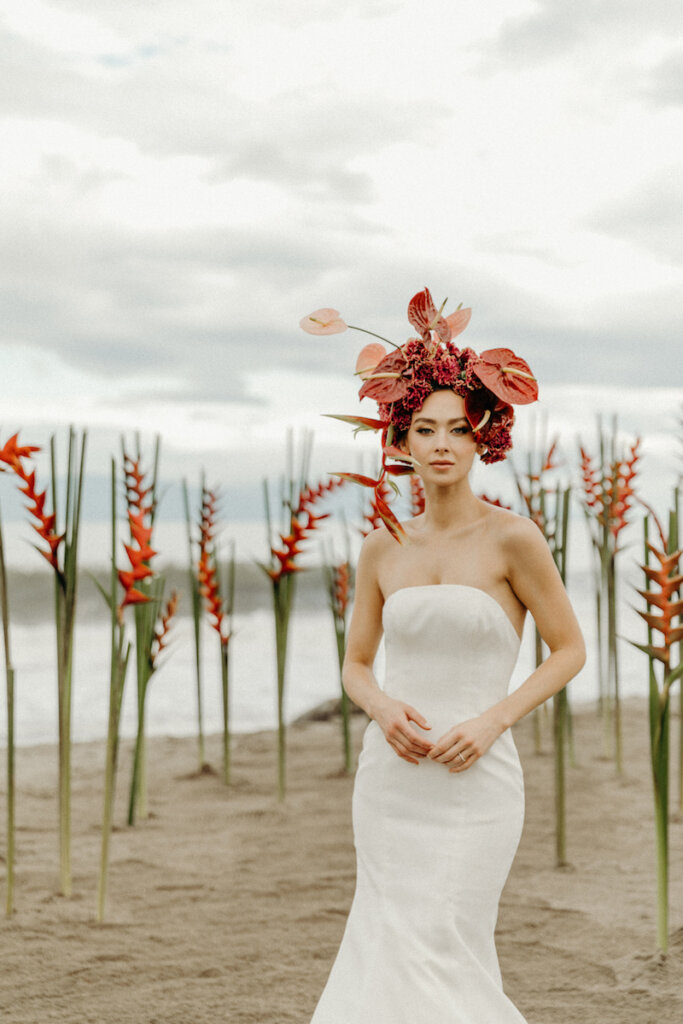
x,y
433,849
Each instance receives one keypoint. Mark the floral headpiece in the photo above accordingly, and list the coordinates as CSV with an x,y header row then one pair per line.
x,y
401,380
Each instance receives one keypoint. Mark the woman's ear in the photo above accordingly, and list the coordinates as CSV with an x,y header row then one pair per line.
x,y
401,442
481,448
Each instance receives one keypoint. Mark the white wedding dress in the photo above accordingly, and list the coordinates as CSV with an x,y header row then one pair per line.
x,y
433,848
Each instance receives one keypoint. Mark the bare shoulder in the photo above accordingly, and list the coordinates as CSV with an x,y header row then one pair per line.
x,y
511,528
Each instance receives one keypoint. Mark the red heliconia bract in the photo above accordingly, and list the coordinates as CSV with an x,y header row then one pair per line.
x,y
341,588
378,507
12,454
206,569
163,626
302,524
666,602
417,496
139,551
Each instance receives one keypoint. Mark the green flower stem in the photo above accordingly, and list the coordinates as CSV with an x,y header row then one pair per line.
x,y
372,334
65,620
197,619
11,784
226,710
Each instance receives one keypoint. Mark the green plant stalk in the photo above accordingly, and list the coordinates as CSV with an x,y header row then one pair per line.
x,y
225,693
65,619
613,662
675,534
283,592
11,783
145,619
197,620
229,603
117,675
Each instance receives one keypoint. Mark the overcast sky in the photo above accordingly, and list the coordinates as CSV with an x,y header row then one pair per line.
x,y
181,183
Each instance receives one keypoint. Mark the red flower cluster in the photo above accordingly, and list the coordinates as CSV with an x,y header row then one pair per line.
x,y
139,550
341,587
206,569
401,380
302,523
378,508
669,581
12,455
417,496
610,496
162,628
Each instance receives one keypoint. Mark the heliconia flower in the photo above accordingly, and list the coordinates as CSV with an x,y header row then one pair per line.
x,y
323,321
669,582
133,596
162,627
303,522
359,422
12,452
506,375
368,359
493,501
139,551
381,493
589,478
341,580
392,452
12,455
417,496
207,575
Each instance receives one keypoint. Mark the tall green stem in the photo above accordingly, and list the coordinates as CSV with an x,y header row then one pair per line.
x,y
11,785
225,662
196,618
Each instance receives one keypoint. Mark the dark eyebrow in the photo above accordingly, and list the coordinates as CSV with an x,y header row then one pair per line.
x,y
425,419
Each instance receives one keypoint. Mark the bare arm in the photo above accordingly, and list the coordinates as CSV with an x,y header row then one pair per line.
x,y
535,580
365,632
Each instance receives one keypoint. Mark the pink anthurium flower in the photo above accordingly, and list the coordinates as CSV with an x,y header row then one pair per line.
x,y
368,359
323,321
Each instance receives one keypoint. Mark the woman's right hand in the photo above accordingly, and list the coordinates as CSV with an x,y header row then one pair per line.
x,y
394,718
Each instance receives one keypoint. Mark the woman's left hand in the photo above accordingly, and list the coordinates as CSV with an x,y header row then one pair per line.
x,y
464,744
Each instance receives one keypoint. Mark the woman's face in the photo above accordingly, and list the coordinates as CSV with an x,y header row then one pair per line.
x,y
441,439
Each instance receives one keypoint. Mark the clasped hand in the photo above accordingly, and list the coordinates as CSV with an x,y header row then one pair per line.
x,y
458,748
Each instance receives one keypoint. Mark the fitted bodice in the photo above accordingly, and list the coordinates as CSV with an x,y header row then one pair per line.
x,y
449,648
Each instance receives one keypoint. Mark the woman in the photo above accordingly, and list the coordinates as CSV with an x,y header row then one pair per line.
x,y
438,799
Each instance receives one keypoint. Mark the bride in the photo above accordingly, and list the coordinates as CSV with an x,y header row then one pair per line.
x,y
438,798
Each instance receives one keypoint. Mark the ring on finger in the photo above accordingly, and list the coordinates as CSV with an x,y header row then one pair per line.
x,y
462,757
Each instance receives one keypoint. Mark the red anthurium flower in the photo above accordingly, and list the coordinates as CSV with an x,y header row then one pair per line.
x,y
506,375
479,406
323,321
386,382
425,317
368,359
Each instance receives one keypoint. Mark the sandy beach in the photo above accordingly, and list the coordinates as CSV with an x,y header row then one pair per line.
x,y
226,906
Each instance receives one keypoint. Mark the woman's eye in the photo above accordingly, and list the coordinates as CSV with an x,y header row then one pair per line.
x,y
461,430
424,430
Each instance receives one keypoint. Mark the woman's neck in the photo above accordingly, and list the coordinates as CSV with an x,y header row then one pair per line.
x,y
447,508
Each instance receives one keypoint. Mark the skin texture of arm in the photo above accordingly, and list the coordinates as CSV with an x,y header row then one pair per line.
x,y
393,716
